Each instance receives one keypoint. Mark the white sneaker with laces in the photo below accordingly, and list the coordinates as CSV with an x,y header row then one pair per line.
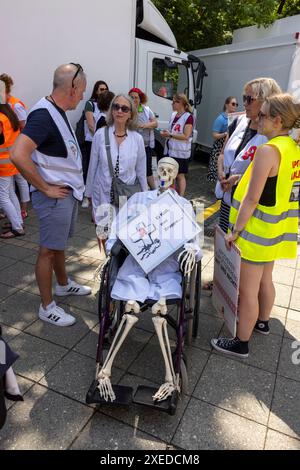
x,y
55,315
85,203
72,288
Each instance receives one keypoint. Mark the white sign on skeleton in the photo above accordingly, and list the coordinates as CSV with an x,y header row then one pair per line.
x,y
158,231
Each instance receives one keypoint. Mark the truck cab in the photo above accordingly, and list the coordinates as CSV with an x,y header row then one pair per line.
x,y
161,69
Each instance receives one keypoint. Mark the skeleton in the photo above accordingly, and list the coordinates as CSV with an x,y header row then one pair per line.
x,y
167,171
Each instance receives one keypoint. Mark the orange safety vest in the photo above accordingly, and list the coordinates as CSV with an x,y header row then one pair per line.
x,y
7,168
12,101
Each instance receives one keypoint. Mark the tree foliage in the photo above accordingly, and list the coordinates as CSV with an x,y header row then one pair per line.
x,y
206,23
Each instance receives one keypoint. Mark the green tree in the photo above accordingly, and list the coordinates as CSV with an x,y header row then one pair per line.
x,y
205,23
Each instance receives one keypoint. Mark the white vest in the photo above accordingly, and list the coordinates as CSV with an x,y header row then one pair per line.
x,y
59,170
96,114
243,160
233,143
147,134
178,148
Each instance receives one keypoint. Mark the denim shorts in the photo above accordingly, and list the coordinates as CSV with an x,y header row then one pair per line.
x,y
57,219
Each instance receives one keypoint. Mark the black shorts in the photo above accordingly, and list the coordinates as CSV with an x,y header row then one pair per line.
x,y
149,160
182,162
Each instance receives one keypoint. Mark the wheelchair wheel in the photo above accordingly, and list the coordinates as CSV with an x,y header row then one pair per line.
x,y
184,381
107,307
197,301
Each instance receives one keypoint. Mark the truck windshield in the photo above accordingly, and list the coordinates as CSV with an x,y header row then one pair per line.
x,y
166,80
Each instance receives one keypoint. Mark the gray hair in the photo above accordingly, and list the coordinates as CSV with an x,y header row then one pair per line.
x,y
131,123
64,75
263,87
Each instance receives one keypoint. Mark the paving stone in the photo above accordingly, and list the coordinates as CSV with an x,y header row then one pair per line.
x,y
245,390
293,315
134,343
206,305
277,441
37,356
9,333
150,364
145,418
297,278
83,302
209,327
283,294
80,245
292,329
6,291
73,375
104,432
219,429
290,351
284,416
81,268
24,386
44,421
290,263
31,259
284,275
15,252
5,261
295,299
19,310
18,275
19,241
64,336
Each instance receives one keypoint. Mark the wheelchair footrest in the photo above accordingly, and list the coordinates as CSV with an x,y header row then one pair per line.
x,y
123,395
144,394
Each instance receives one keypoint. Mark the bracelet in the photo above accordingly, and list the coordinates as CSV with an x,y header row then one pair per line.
x,y
234,230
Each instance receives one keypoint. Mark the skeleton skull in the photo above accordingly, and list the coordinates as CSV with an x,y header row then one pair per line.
x,y
167,170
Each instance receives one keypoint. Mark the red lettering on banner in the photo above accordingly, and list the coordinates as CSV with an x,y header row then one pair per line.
x,y
250,153
177,128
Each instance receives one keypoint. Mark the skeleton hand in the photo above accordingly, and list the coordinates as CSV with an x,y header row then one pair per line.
x,y
160,307
188,257
132,306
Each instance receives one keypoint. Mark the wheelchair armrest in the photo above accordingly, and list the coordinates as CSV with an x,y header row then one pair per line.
x,y
117,248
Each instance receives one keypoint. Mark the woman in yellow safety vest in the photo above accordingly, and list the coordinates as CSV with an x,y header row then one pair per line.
x,y
264,219
9,131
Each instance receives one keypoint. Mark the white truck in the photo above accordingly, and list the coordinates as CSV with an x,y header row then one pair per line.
x,y
124,42
254,52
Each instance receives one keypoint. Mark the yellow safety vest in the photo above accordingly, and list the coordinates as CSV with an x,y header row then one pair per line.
x,y
271,232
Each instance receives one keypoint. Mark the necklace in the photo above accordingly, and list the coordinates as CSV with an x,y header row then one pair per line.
x,y
120,135
53,100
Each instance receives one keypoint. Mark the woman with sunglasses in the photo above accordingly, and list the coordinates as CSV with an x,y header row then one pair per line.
x,y
128,160
240,147
179,137
264,219
146,123
219,133
92,115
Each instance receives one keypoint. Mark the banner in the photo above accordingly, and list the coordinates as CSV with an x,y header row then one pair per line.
x,y
226,280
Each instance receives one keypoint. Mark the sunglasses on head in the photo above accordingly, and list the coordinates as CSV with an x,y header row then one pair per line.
x,y
79,69
118,107
248,99
234,104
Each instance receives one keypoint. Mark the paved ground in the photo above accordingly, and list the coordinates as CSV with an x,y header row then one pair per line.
x,y
231,403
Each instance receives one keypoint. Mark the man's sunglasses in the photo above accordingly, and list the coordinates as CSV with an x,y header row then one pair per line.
x,y
79,69
248,99
118,107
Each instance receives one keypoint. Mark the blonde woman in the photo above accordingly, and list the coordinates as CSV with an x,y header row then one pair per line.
x,y
179,137
264,219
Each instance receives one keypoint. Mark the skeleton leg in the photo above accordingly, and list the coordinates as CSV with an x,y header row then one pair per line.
x,y
166,389
104,385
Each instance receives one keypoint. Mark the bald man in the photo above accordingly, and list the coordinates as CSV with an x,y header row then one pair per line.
x,y
48,156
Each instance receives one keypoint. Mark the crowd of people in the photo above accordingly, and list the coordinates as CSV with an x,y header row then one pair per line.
x,y
251,161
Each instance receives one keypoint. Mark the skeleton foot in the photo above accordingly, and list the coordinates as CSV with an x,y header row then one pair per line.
x,y
160,307
105,388
164,391
132,306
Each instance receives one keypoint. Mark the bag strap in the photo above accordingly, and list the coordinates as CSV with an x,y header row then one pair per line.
x,y
107,145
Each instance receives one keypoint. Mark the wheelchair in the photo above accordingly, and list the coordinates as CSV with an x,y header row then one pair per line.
x,y
182,317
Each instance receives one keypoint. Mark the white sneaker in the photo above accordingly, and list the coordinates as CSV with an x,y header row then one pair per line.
x,y
72,288
55,315
85,203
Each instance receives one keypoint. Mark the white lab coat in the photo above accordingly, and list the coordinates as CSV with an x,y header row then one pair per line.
x,y
132,283
132,164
